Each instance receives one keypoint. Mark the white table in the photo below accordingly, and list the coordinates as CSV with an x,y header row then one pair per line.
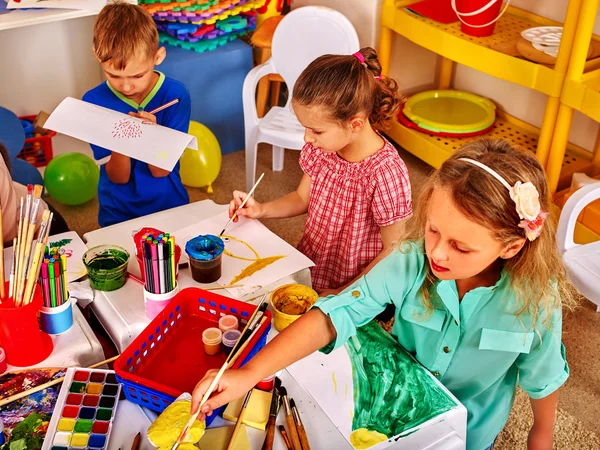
x,y
121,312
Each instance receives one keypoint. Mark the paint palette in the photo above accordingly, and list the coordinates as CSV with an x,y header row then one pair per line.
x,y
84,412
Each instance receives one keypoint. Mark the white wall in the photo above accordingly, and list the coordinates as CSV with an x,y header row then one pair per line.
x,y
40,65
414,67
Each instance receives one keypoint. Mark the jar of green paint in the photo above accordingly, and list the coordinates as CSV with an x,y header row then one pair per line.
x,y
106,266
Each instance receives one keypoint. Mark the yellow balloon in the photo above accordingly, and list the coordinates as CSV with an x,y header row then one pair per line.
x,y
201,167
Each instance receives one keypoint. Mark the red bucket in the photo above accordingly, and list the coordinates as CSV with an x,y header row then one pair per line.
x,y
478,17
20,335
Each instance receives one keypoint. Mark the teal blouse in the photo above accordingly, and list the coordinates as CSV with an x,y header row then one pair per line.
x,y
476,347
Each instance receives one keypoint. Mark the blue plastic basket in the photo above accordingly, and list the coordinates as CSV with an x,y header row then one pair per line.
x,y
168,357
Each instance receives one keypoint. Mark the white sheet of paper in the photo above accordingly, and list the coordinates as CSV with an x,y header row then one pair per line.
x,y
260,239
130,136
74,249
89,5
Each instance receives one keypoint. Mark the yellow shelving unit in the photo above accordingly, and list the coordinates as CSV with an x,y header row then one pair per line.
x,y
489,55
581,92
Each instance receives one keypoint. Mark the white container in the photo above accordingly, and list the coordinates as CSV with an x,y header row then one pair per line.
x,y
57,320
155,303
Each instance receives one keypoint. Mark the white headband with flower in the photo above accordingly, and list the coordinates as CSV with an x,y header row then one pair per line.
x,y
527,202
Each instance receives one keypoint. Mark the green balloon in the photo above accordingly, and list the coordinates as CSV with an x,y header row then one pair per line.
x,y
72,178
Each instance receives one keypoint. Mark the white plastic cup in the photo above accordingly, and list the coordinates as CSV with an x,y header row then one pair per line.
x,y
155,303
57,320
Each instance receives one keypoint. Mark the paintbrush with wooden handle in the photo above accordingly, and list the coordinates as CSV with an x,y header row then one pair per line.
x,y
230,361
273,412
242,205
289,418
300,426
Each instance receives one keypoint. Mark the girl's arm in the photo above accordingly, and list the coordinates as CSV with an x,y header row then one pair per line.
x,y
390,236
541,435
285,349
290,205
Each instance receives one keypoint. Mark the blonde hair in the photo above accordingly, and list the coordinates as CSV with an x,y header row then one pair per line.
x,y
536,272
346,87
122,32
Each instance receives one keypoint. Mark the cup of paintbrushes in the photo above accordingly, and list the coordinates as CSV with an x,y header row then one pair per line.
x,y
23,341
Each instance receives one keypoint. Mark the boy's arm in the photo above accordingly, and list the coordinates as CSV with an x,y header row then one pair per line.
x,y
541,435
118,168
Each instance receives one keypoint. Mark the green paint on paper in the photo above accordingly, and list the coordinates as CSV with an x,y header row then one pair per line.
x,y
392,392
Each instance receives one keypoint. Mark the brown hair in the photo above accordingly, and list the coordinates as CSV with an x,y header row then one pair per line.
x,y
348,87
536,272
124,31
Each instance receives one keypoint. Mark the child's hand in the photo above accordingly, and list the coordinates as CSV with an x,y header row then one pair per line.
x,y
144,116
232,385
252,209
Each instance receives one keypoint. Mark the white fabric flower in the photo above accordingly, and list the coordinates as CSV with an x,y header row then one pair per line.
x,y
526,198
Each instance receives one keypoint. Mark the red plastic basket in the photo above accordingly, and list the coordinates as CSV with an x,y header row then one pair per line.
x,y
168,357
37,151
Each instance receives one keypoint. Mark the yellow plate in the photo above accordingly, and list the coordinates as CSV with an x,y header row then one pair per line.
x,y
450,111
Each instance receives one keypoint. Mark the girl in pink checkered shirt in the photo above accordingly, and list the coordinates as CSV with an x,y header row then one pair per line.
x,y
355,186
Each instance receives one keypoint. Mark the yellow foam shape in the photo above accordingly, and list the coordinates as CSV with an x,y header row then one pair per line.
x,y
166,429
218,439
258,407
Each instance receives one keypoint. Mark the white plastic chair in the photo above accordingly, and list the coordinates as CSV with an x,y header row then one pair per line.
x,y
303,35
582,261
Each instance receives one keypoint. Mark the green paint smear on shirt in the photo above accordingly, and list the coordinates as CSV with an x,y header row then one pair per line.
x,y
392,392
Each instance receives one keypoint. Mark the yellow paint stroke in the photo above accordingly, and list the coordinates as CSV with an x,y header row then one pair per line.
x,y
255,267
363,438
162,155
334,383
345,392
257,264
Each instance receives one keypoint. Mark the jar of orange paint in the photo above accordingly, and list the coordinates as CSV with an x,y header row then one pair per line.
x,y
212,338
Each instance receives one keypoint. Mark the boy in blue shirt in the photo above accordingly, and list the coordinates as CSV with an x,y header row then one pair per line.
x,y
126,45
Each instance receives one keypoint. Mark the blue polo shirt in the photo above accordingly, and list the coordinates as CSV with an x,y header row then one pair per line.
x,y
143,194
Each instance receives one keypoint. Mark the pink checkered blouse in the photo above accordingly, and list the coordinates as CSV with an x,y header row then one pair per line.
x,y
348,204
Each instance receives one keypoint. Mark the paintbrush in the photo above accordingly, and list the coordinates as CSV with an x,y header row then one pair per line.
x,y
240,420
11,278
289,418
229,286
300,426
230,361
28,241
23,239
286,439
258,314
273,412
165,106
16,247
37,257
136,442
242,205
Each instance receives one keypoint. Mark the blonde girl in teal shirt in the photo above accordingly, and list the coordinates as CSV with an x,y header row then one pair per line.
x,y
478,292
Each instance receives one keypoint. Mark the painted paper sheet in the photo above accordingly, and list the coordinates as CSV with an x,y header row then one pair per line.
x,y
89,5
73,247
371,389
121,133
253,256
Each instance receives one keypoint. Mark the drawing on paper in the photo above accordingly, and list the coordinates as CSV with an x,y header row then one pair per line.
x,y
258,263
372,389
126,129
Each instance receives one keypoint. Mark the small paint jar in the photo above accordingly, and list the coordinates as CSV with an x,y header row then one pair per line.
x,y
230,338
212,338
106,266
3,363
205,252
266,384
57,320
228,322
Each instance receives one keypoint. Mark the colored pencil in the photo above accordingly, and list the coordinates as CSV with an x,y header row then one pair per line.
x,y
63,271
52,284
165,106
154,254
242,205
161,267
46,286
173,268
